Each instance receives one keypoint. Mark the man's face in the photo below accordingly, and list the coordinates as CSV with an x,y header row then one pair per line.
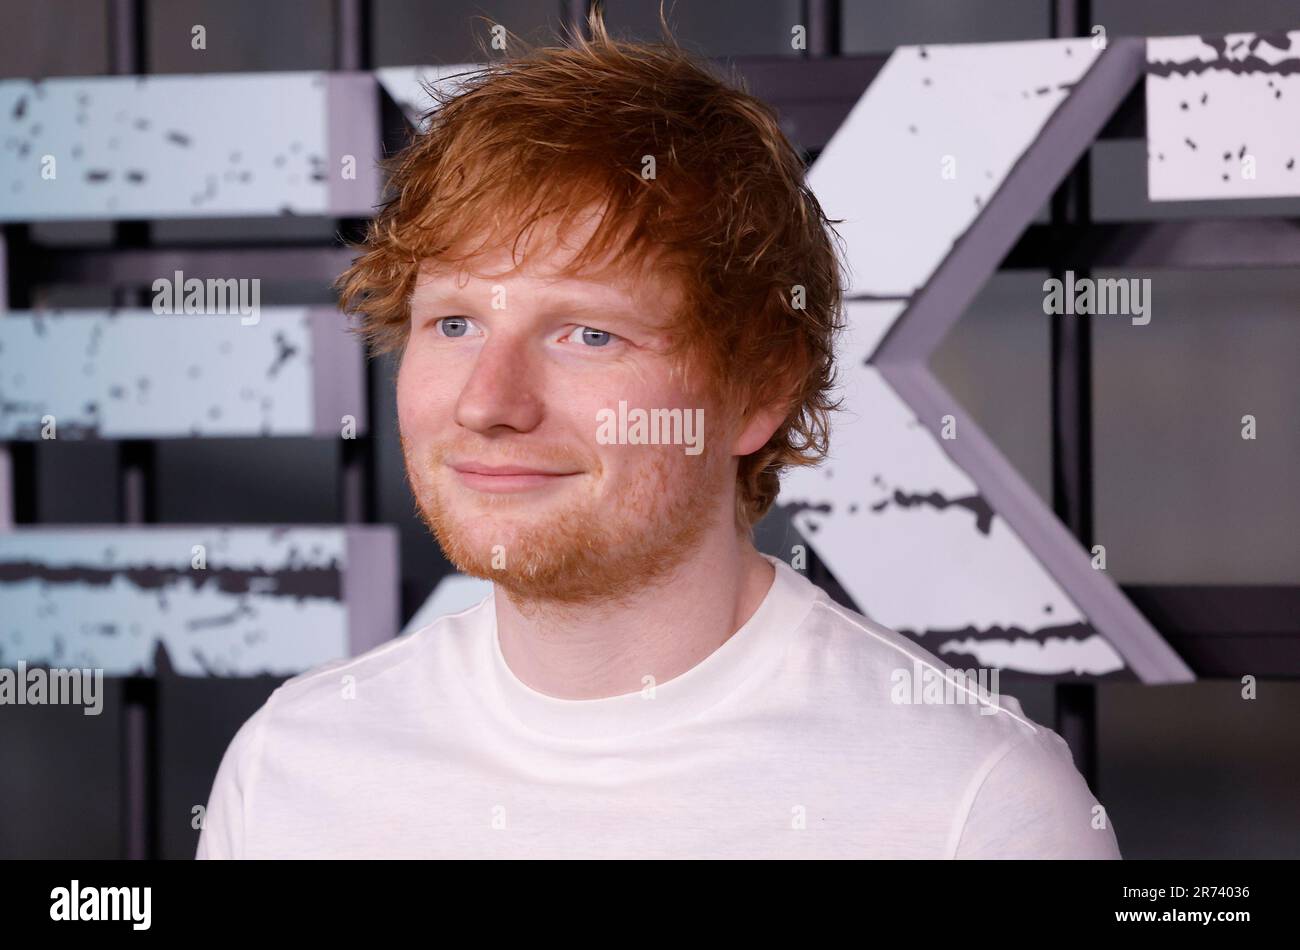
x,y
501,394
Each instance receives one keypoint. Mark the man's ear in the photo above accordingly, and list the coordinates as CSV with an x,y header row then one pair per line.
x,y
757,429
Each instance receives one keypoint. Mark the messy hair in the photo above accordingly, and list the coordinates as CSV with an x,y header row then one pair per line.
x,y
725,212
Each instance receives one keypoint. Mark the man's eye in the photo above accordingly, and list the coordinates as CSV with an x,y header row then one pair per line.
x,y
590,336
452,326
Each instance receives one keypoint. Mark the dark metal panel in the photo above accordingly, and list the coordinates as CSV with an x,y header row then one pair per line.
x,y
1235,243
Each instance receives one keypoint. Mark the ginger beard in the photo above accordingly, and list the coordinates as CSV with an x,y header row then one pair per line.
x,y
599,540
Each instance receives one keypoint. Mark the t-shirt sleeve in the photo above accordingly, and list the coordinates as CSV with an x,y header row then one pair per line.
x,y
1030,801
224,820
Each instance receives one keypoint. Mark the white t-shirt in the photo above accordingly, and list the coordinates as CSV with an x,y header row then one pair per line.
x,y
791,740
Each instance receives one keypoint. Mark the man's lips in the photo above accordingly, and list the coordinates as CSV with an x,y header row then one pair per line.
x,y
506,478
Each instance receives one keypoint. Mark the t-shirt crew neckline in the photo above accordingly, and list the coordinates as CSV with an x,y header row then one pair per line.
x,y
761,638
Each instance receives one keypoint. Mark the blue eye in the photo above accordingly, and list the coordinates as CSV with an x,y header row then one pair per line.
x,y
453,326
594,337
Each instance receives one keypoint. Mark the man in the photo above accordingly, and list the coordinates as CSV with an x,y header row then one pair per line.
x,y
615,303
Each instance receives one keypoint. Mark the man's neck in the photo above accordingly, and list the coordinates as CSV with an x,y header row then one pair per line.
x,y
608,649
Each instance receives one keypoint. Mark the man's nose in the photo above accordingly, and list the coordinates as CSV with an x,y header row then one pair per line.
x,y
500,390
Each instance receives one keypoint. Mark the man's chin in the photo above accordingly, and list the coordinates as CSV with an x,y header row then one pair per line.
x,y
566,561
531,558
538,583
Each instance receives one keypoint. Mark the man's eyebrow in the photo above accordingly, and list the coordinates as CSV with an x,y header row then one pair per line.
x,y
621,310
615,310
429,297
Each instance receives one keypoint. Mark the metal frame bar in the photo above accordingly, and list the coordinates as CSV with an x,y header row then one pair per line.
x,y
574,14
17,459
135,471
356,467
1071,416
1184,245
823,18
1227,630
112,267
8,490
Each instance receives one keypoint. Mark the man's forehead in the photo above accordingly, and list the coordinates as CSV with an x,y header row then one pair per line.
x,y
613,285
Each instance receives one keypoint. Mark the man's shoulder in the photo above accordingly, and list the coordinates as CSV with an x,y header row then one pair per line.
x,y
892,678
